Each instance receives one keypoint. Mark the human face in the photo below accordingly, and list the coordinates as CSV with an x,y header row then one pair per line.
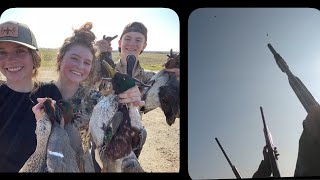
x,y
132,43
76,64
16,62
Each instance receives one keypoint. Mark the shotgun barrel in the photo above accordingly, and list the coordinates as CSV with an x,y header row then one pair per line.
x,y
303,94
234,169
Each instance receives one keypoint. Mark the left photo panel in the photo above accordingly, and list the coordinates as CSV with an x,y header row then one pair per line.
x,y
90,90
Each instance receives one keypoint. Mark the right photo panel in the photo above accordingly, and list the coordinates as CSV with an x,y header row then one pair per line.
x,y
253,93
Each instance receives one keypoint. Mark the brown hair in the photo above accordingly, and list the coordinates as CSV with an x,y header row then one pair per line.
x,y
84,37
36,61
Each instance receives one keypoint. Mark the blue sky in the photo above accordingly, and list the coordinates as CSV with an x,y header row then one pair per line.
x,y
232,73
52,25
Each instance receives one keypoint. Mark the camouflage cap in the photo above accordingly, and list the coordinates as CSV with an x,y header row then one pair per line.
x,y
135,27
20,33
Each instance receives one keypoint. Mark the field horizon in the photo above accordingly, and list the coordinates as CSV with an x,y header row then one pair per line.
x,y
149,60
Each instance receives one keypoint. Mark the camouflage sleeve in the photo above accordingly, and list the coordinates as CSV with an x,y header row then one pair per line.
x,y
83,103
308,161
90,100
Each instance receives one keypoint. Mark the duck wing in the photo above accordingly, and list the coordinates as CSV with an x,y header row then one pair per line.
x,y
60,157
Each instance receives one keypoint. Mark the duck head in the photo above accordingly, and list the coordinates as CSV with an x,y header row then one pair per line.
x,y
173,60
122,82
58,111
52,110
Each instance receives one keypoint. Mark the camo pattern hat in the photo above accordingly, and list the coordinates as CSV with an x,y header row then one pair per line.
x,y
20,33
135,27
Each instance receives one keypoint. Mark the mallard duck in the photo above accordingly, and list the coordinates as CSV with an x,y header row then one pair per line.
x,y
116,129
164,91
53,151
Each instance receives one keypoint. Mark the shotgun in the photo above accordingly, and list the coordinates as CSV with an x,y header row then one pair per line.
x,y
234,169
271,149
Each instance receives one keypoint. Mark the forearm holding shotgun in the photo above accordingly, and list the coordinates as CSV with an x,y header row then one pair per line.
x,y
308,161
271,149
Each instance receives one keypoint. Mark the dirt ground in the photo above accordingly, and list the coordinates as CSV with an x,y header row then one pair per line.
x,y
161,152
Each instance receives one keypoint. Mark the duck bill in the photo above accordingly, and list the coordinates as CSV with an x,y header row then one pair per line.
x,y
109,69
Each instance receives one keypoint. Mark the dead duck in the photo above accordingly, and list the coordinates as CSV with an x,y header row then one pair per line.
x,y
164,91
75,138
116,129
99,71
53,151
37,161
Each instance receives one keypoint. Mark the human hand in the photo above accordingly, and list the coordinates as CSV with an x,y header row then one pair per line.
x,y
104,45
38,109
132,95
265,152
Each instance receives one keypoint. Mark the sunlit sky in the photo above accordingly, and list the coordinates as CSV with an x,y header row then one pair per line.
x,y
52,25
232,73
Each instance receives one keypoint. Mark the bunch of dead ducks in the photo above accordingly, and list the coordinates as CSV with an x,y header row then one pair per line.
x,y
116,129
58,142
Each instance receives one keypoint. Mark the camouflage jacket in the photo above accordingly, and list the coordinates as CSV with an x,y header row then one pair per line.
x,y
308,161
138,72
83,102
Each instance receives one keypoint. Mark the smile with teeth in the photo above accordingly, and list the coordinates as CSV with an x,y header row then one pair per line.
x,y
14,69
76,73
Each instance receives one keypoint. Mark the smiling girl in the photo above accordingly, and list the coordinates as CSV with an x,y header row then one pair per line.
x,y
19,63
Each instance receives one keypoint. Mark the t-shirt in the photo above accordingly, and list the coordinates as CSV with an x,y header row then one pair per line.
x,y
18,124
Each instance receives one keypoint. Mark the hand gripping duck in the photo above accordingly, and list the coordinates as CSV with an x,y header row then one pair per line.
x,y
164,91
53,151
116,129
